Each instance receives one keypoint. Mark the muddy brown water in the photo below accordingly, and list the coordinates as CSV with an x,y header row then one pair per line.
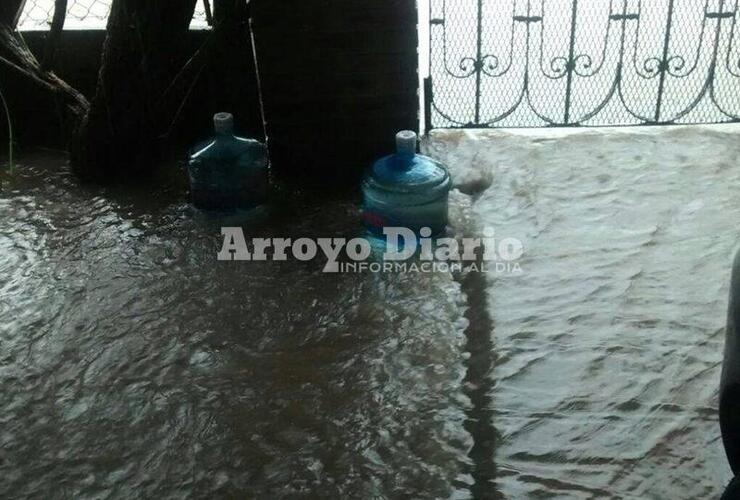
x,y
133,363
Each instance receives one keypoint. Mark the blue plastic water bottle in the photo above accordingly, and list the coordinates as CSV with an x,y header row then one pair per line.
x,y
228,172
406,190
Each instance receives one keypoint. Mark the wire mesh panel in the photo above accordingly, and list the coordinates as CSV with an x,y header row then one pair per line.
x,y
81,14
534,63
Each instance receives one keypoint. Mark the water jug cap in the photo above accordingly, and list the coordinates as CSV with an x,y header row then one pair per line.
x,y
223,123
406,142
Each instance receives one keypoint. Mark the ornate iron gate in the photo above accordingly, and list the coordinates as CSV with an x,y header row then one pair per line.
x,y
535,63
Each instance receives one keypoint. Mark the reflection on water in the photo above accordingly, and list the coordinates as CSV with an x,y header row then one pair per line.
x,y
479,385
132,362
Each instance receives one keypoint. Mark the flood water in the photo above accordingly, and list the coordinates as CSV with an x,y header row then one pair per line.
x,y
608,346
133,363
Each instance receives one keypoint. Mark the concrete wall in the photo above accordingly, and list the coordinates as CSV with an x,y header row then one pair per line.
x,y
339,78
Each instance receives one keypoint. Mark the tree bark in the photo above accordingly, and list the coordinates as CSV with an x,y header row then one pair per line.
x,y
17,60
121,135
9,11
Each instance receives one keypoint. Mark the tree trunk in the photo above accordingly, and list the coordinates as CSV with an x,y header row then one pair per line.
x,y
121,134
17,61
9,10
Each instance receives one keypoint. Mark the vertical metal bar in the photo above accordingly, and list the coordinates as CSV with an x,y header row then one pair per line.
x,y
664,61
621,46
571,61
479,62
715,52
428,89
428,96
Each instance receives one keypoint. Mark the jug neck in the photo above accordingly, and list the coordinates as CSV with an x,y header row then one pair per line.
x,y
223,125
222,136
406,142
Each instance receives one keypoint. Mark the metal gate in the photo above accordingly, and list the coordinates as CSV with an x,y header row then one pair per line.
x,y
535,63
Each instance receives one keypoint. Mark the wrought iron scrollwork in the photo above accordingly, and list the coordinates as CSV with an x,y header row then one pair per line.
x,y
615,62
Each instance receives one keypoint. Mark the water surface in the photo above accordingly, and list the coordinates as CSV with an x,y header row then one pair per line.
x,y
609,345
132,362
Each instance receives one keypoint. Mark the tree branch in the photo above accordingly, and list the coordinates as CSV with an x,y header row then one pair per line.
x,y
55,34
27,74
209,14
16,57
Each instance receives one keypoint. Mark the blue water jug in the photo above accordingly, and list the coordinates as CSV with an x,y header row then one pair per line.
x,y
228,172
406,190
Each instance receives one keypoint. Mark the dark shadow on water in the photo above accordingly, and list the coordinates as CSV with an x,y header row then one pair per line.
x,y
479,385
